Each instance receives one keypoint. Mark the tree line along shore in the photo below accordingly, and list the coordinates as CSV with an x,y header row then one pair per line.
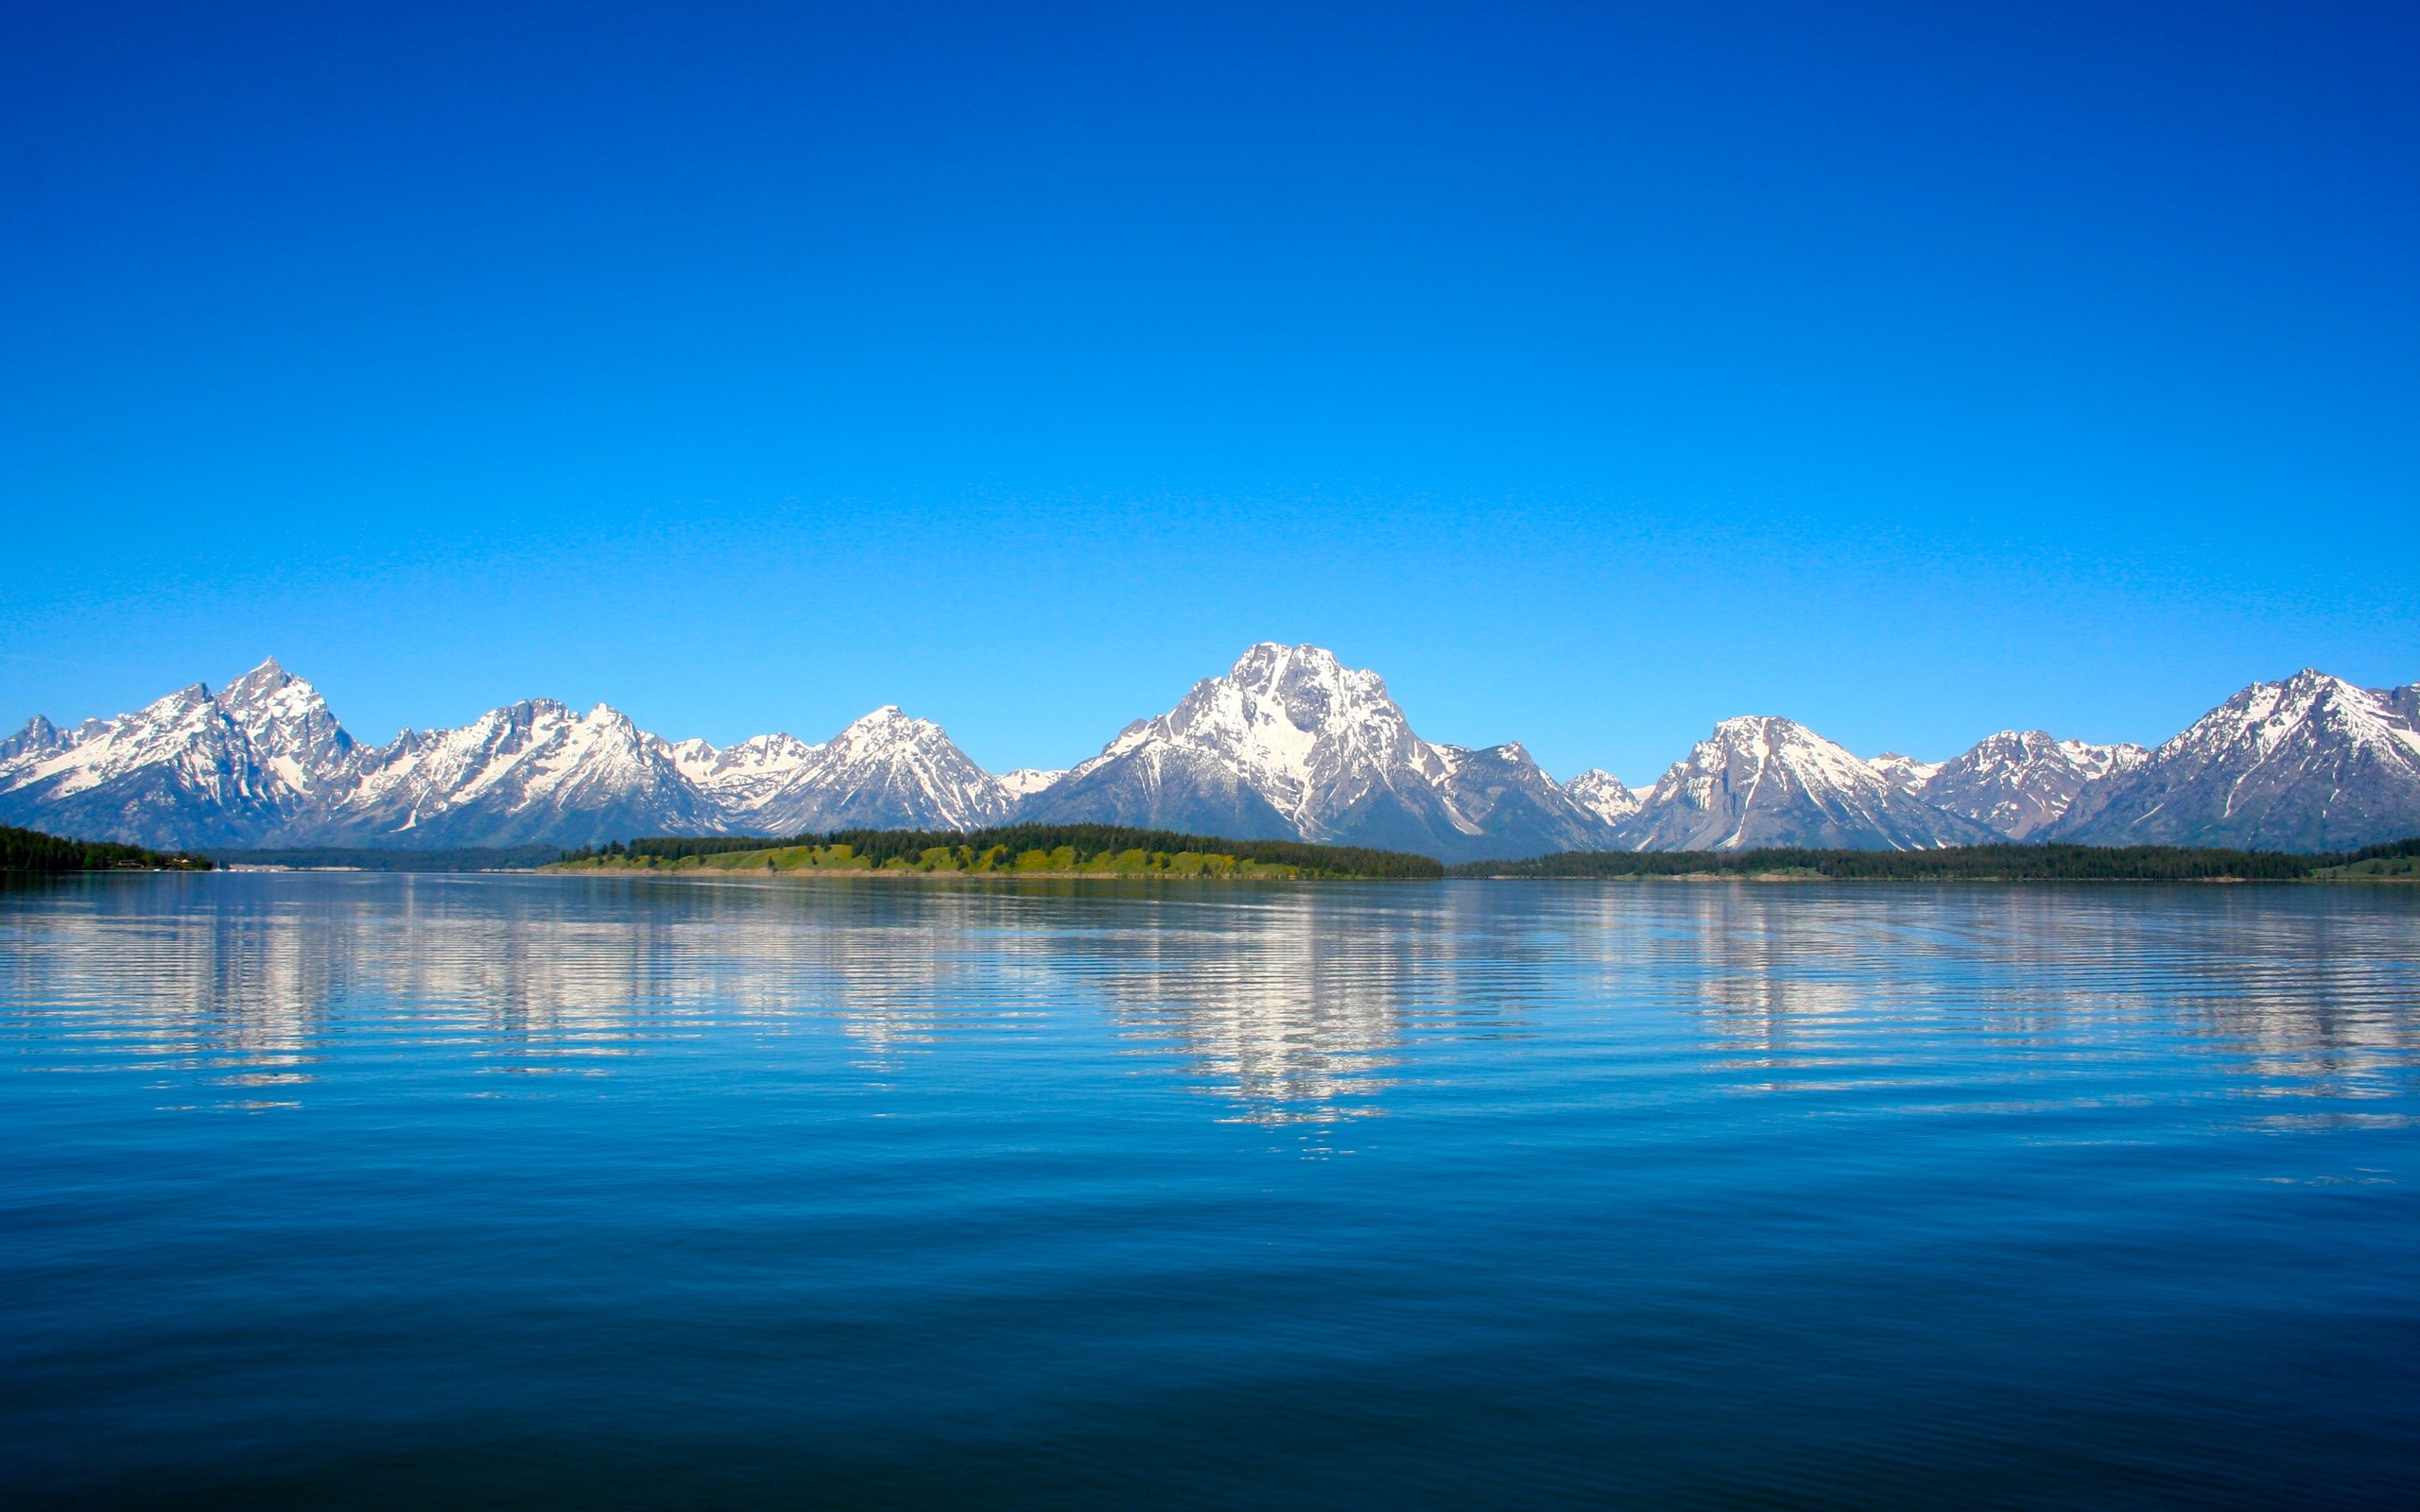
x,y
1021,849
1098,850
26,850
2397,860
1114,850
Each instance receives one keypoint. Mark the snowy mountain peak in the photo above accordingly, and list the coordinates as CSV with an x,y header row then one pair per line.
x,y
261,682
1905,773
1291,718
886,727
38,738
1287,743
1292,743
2021,782
2312,762
140,775
290,729
1026,781
1604,795
884,770
1765,781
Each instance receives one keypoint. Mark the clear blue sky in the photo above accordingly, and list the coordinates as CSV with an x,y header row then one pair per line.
x,y
1594,372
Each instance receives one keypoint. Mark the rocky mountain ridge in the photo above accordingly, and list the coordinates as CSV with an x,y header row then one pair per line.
x,y
2312,762
1763,781
1287,743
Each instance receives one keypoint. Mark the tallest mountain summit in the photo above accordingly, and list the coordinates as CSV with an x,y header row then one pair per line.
x,y
1291,743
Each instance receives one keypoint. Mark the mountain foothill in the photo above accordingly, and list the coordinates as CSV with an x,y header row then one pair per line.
x,y
1289,743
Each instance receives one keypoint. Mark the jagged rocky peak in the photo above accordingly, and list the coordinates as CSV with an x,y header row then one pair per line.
x,y
1287,742
2309,763
257,686
39,737
1765,781
1604,795
757,754
185,729
179,771
2019,782
289,725
1505,806
535,772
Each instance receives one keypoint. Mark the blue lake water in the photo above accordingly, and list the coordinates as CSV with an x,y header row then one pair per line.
x,y
395,1191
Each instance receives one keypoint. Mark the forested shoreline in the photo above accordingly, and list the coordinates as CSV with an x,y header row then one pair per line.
x,y
33,850
2395,860
1092,850
1063,850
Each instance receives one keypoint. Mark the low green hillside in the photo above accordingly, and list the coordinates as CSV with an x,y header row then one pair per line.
x,y
2399,862
33,850
1063,849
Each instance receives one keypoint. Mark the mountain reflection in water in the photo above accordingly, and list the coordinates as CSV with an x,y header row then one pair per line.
x,y
1292,1004
332,1189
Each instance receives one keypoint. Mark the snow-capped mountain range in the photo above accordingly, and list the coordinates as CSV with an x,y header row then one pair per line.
x,y
1287,744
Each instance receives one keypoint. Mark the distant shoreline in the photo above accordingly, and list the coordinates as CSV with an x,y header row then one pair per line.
x,y
1074,852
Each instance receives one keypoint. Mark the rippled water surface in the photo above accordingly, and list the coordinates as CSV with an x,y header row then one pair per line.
x,y
365,1189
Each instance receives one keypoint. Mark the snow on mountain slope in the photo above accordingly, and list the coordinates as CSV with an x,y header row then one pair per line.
x,y
177,772
886,770
1290,743
1287,744
266,761
744,776
1770,782
1026,781
1602,794
291,731
40,737
1516,809
531,773
1905,773
2313,762
188,769
2021,782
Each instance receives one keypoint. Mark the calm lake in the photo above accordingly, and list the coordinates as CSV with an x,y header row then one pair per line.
x,y
413,1191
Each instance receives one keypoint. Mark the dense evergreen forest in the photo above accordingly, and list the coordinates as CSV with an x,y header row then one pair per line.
x,y
1979,862
1057,848
507,858
33,850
